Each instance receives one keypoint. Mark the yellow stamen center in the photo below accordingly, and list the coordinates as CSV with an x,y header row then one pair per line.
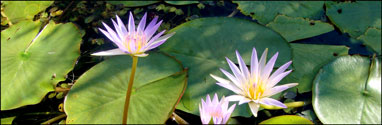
x,y
138,39
255,92
216,114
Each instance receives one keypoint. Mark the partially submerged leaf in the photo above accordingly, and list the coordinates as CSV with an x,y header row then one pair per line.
x,y
266,11
372,38
295,28
308,59
355,17
24,10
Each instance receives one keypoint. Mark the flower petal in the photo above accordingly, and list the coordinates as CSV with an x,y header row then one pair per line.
x,y
254,64
235,71
277,79
208,100
110,52
229,87
217,120
262,61
151,24
269,67
142,23
270,101
118,29
204,116
108,35
232,98
244,100
231,77
151,30
141,55
165,37
242,65
281,69
215,100
227,115
226,84
131,25
254,108
121,25
112,34
159,41
278,89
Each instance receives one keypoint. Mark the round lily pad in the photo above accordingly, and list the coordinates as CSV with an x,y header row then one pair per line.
x,y
348,91
99,94
31,63
202,45
287,119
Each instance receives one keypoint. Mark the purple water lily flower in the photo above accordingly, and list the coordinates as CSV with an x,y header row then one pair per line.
x,y
215,109
134,41
255,86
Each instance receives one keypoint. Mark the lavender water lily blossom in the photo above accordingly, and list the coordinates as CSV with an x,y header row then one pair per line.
x,y
255,86
215,109
134,41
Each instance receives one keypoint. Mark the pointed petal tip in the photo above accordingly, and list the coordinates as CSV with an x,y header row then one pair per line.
x,y
109,53
141,55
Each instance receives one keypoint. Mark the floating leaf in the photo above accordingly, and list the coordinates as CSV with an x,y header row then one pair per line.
x,y
348,91
180,2
295,28
355,17
158,86
7,120
29,69
287,119
372,38
266,11
22,10
202,45
308,59
133,3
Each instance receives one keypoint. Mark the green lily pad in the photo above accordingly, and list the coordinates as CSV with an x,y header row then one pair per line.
x,y
372,38
202,45
307,61
30,69
181,2
133,3
355,17
287,119
348,91
266,11
22,10
7,120
295,28
158,86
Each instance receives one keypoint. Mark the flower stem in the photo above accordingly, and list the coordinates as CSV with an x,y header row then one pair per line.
x,y
129,88
50,121
178,119
289,105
